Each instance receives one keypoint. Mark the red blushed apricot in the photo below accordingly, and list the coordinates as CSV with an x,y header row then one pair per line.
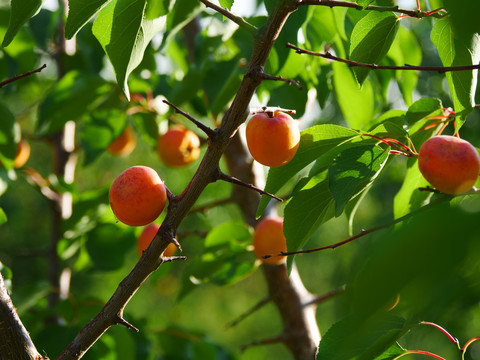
x,y
138,196
270,240
146,238
23,153
449,164
272,141
179,146
124,144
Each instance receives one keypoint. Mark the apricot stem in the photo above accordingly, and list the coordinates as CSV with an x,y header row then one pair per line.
x,y
210,132
450,337
469,342
420,352
222,176
270,109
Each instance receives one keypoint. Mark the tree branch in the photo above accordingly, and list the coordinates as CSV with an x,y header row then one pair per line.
x,y
351,63
236,19
15,78
438,13
279,78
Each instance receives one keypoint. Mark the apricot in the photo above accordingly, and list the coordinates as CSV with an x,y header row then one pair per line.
x,y
179,146
146,238
124,144
449,164
137,196
272,140
23,154
269,239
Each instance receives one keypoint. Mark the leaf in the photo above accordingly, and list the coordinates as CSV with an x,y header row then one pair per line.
x,y
124,33
352,171
311,205
108,244
315,142
226,4
158,8
181,14
359,337
392,353
356,103
3,219
79,13
455,52
74,95
422,108
8,138
371,39
364,3
21,12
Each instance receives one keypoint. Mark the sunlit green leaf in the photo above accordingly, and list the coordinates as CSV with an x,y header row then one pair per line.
x,y
79,13
21,12
226,4
3,217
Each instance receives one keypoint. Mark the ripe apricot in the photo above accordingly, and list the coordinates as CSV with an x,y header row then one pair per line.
x,y
137,196
23,153
449,164
179,146
270,240
272,141
146,238
124,144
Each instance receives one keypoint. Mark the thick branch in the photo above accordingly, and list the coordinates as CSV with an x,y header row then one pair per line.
x,y
412,13
181,205
15,343
439,69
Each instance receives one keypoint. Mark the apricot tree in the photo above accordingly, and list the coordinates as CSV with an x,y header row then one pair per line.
x,y
368,82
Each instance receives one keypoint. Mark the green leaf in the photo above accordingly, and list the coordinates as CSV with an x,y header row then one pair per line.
x,y
371,39
315,142
158,8
392,353
3,218
358,337
21,12
352,171
79,13
74,95
456,52
226,4
422,108
8,138
124,33
181,14
108,245
311,205
364,3
356,103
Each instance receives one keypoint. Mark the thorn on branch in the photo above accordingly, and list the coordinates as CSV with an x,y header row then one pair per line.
x,y
222,176
322,298
15,78
173,258
273,340
121,321
210,132
279,78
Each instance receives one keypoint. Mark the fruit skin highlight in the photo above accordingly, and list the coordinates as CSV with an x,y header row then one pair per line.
x,y
137,196
449,164
146,238
124,144
272,141
179,146
270,240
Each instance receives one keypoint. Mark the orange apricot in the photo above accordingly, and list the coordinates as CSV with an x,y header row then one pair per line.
x,y
449,164
23,153
146,238
272,140
137,196
269,239
179,146
124,144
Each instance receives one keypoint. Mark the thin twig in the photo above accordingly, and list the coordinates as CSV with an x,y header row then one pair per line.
x,y
273,340
438,13
236,19
279,78
222,176
250,311
210,132
362,233
322,298
15,78
439,69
